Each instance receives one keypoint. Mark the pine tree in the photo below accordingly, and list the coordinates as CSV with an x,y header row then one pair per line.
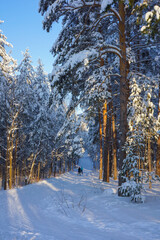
x,y
8,110
127,48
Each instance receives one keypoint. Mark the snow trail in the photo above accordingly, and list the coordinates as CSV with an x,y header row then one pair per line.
x,y
77,207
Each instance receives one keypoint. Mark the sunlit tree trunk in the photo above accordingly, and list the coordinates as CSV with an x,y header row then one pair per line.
x,y
31,171
158,157
106,170
106,148
101,149
114,148
149,162
109,141
123,88
158,142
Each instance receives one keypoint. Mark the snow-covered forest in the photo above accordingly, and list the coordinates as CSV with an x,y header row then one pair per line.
x,y
102,98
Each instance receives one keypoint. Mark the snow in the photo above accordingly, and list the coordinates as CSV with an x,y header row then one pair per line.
x,y
157,9
104,4
148,16
77,207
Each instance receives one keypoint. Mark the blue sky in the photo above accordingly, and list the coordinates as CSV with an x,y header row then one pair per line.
x,y
23,28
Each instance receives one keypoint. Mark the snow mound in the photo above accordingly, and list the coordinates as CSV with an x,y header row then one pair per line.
x,y
109,191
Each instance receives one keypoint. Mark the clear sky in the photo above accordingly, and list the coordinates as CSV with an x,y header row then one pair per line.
x,y
23,28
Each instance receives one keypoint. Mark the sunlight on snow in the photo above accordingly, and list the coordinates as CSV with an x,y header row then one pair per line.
x,y
16,210
49,185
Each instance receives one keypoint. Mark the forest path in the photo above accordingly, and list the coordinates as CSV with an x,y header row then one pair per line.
x,y
77,207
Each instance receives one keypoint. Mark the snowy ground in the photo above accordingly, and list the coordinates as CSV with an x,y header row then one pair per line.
x,y
77,207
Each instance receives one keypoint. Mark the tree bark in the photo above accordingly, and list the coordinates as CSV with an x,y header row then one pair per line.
x,y
124,88
106,145
149,162
18,177
158,142
101,150
10,160
55,166
158,157
114,148
6,165
109,137
38,175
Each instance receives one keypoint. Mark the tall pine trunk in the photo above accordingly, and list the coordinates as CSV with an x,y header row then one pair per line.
x,y
101,150
106,145
158,142
6,165
10,160
114,146
38,173
124,88
149,162
109,138
158,157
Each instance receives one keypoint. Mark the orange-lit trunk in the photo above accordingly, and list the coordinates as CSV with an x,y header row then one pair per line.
x,y
101,150
158,142
109,137
158,157
149,162
114,148
106,145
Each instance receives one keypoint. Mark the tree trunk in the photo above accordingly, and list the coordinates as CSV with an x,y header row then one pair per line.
x,y
55,166
60,165
6,165
110,138
158,142
105,156
158,157
114,148
14,160
64,165
101,150
10,161
50,169
38,175
149,162
4,168
18,175
124,88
